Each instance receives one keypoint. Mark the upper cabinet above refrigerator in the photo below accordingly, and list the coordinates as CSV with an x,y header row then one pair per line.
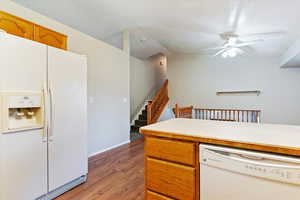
x,y
17,26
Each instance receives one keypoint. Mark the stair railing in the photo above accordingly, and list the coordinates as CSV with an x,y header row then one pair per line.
x,y
157,105
252,116
141,107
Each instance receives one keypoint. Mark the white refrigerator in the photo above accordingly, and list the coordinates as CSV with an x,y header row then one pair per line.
x,y
43,124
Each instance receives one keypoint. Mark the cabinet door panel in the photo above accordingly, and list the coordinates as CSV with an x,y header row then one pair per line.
x,y
16,26
174,180
171,150
49,37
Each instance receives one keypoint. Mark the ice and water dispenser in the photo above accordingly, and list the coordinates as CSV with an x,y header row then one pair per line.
x,y
22,111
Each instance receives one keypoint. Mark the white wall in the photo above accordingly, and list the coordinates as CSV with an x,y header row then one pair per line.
x,y
108,81
195,79
146,77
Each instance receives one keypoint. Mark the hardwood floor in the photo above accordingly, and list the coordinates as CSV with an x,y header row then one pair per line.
x,y
114,175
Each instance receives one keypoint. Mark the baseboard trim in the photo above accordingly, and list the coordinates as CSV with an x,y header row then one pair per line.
x,y
109,148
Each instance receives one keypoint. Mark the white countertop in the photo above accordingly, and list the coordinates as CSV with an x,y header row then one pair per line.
x,y
252,133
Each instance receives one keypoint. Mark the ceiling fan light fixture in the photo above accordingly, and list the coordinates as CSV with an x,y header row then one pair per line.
x,y
225,54
232,52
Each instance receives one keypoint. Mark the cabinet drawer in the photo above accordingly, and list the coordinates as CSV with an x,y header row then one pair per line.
x,y
49,37
171,150
174,180
16,26
154,196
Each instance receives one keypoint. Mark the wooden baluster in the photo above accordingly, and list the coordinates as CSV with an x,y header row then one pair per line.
x,y
247,115
234,115
243,115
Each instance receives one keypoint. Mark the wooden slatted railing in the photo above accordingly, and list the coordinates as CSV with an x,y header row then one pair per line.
x,y
228,115
157,105
183,112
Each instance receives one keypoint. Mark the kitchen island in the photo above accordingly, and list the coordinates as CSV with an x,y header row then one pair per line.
x,y
172,151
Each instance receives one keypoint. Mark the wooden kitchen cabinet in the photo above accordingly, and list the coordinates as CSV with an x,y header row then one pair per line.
x,y
16,26
25,29
171,179
171,169
176,151
49,37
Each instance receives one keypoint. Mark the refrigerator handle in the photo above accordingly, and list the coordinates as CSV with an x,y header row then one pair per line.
x,y
45,101
51,114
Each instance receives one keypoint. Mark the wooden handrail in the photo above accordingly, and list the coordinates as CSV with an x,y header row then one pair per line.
x,y
228,115
157,105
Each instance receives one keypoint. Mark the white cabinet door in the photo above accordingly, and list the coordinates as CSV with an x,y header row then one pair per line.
x,y
23,165
68,139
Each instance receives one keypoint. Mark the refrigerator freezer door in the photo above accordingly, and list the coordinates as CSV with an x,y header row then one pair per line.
x,y
68,121
23,160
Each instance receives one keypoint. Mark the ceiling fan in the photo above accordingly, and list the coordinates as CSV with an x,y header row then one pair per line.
x,y
236,44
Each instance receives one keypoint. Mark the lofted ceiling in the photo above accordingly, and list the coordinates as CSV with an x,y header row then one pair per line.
x,y
182,26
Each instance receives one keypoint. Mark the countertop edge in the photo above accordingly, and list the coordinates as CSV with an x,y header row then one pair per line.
x,y
229,143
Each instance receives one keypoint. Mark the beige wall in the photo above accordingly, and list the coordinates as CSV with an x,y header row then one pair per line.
x,y
195,79
108,81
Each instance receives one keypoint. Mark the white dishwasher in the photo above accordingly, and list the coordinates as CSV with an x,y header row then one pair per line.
x,y
234,174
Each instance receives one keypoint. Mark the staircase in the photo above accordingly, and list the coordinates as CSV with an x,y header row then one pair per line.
x,y
140,122
151,112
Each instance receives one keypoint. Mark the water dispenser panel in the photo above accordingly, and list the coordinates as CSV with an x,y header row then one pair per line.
x,y
23,110
33,101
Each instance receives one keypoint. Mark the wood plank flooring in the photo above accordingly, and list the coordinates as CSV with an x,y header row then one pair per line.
x,y
117,174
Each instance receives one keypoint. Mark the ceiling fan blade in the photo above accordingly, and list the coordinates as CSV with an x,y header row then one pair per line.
x,y
219,52
267,35
248,43
235,13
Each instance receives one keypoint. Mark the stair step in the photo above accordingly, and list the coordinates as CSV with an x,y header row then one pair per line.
x,y
144,112
142,117
140,122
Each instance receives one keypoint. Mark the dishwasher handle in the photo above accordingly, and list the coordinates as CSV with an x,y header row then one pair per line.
x,y
255,160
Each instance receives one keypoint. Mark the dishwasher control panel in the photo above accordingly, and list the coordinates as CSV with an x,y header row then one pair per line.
x,y
261,165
